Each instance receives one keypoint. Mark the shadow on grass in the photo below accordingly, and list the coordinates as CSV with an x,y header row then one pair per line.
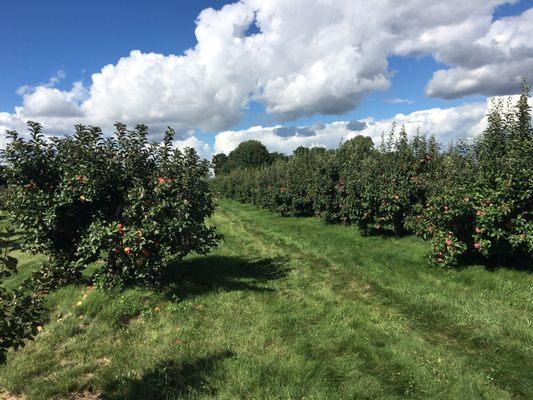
x,y
212,273
12,241
520,262
170,380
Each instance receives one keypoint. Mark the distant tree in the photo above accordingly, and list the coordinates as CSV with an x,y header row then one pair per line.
x,y
301,150
523,132
277,156
219,160
318,151
356,149
251,153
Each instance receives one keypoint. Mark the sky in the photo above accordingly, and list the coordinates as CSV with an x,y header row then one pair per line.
x,y
288,73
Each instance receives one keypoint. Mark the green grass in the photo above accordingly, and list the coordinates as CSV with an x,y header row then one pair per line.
x,y
289,308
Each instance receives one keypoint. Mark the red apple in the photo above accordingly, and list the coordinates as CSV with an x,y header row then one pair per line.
x,y
477,246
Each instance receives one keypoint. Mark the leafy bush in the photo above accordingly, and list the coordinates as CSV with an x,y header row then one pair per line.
x,y
87,197
482,202
19,310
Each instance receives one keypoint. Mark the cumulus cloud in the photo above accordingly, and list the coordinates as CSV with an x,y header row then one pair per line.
x,y
203,149
356,125
330,136
446,124
493,64
301,58
51,102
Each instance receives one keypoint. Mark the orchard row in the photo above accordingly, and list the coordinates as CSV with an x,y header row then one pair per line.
x,y
471,199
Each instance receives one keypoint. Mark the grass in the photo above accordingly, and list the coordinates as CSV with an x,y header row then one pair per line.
x,y
288,308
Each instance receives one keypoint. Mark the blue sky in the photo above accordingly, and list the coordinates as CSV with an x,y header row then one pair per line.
x,y
79,38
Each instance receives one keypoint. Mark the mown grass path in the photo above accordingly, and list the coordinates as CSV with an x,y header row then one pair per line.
x,y
289,308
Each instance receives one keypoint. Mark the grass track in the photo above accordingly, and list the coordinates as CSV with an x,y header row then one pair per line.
x,y
289,308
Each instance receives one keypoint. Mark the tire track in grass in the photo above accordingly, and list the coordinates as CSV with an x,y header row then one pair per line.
x,y
291,328
288,245
439,326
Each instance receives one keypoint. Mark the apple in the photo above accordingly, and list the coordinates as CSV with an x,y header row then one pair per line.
x,y
448,242
477,230
127,250
477,246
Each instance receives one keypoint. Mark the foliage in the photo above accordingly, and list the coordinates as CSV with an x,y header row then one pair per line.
x,y
481,203
218,161
86,197
248,154
472,199
2,178
19,310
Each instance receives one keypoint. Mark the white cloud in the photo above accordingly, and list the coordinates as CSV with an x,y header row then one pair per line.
x,y
493,64
51,102
330,136
396,100
447,124
203,149
308,57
